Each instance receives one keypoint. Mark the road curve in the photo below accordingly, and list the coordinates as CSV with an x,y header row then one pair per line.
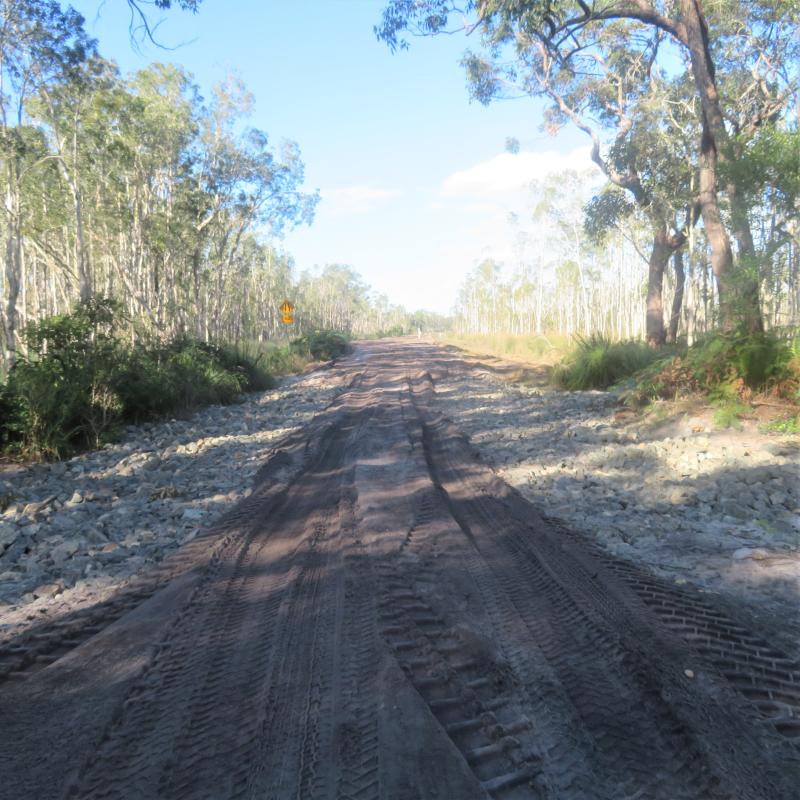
x,y
384,619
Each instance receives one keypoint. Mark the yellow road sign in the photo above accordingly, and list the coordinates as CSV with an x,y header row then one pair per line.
x,y
287,309
288,319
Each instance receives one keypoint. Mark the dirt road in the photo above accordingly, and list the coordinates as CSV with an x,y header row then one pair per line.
x,y
384,618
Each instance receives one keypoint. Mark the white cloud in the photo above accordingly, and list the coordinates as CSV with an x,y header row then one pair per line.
x,y
507,173
355,199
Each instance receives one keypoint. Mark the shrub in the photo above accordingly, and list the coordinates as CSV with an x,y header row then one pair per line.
x,y
63,391
755,360
251,364
321,345
10,412
597,363
726,366
162,378
79,382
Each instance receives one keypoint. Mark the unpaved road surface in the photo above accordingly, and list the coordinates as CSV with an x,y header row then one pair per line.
x,y
384,618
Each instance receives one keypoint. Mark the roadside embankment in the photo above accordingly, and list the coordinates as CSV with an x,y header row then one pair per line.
x,y
717,508
73,531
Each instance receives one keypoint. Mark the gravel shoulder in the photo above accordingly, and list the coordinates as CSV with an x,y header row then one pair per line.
x,y
74,533
719,509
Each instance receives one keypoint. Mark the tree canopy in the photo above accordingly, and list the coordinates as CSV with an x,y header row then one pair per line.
x,y
673,97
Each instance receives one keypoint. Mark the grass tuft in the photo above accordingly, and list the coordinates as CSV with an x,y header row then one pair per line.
x,y
598,363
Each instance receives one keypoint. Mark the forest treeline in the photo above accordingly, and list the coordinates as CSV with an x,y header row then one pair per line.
x,y
137,189
691,113
565,279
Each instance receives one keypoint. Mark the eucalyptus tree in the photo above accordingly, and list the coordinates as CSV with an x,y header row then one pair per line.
x,y
613,94
240,180
39,42
564,30
66,106
336,297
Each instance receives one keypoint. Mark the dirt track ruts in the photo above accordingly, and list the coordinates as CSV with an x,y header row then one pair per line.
x,y
384,618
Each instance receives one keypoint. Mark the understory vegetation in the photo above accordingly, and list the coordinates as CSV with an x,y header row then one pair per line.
x,y
729,369
81,380
597,363
321,345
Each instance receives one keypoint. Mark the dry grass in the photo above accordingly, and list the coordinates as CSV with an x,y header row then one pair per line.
x,y
545,349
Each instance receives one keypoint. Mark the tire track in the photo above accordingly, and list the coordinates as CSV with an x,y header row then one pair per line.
x,y
169,730
565,751
753,667
578,616
357,735
474,709
394,622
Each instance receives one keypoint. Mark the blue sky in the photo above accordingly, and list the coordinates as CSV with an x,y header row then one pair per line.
x,y
416,186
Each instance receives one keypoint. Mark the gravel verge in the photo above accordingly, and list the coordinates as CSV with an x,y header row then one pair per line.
x,y
74,532
716,508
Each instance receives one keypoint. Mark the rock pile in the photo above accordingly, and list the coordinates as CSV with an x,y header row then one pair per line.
x,y
70,529
718,507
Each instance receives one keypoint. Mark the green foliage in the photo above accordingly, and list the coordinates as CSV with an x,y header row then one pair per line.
x,y
605,211
755,361
159,379
772,160
597,363
728,413
79,382
282,359
321,345
786,425
725,366
248,362
63,391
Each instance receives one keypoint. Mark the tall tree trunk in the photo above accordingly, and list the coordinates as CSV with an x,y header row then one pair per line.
x,y
198,323
659,258
13,264
677,299
84,276
721,252
738,294
747,274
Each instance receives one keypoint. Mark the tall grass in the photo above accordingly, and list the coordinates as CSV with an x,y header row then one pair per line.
x,y
598,363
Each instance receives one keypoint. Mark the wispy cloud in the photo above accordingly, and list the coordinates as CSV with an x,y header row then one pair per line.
x,y
355,199
507,173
